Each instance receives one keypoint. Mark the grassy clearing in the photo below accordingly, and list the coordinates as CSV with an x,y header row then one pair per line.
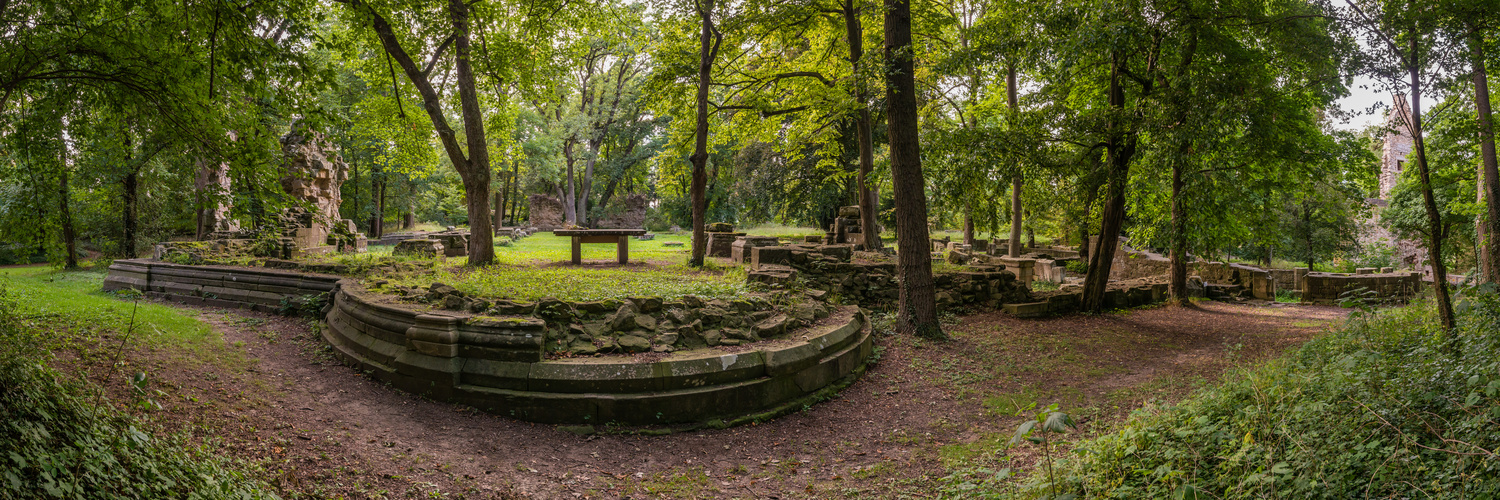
x,y
70,302
544,248
530,269
585,284
781,231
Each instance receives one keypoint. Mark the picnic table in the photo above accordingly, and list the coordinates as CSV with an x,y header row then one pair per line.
x,y
620,237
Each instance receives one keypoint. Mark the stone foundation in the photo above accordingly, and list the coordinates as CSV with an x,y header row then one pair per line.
x,y
498,363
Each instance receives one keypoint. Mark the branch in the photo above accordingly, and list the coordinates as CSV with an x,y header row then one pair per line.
x,y
435,55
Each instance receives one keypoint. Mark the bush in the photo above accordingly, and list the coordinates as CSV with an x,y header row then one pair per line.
x,y
1385,407
59,438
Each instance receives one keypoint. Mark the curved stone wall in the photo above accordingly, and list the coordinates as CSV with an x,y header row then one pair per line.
x,y
497,363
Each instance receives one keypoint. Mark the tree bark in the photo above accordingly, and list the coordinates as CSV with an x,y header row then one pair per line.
x,y
708,48
1016,180
1489,177
65,216
917,310
869,228
1435,229
473,169
1177,275
1121,148
129,190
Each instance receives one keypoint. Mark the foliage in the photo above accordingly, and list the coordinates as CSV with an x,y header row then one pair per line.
x,y
1381,407
60,438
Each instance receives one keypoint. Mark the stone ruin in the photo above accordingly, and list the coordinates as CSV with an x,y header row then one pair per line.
x,y
721,237
313,175
546,212
869,278
846,229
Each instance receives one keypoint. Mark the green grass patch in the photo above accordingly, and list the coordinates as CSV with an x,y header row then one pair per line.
x,y
70,301
782,231
60,437
544,248
585,284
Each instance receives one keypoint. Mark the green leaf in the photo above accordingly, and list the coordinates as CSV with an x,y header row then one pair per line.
x,y
1023,431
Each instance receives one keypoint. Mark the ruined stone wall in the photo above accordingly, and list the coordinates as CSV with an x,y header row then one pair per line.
x,y
831,269
546,212
1327,288
629,212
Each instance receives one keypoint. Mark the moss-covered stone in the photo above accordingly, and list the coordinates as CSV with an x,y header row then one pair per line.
x,y
634,343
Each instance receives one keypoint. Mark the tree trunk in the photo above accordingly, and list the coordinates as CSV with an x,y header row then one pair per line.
x,y
1016,180
65,217
917,311
869,228
1122,148
499,214
1435,230
127,245
476,175
375,208
1177,275
474,169
969,226
1489,256
515,191
708,48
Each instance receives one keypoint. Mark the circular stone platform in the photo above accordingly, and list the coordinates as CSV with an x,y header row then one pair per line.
x,y
496,363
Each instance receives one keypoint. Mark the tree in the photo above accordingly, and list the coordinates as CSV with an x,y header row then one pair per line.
x,y
917,309
473,168
1415,27
708,48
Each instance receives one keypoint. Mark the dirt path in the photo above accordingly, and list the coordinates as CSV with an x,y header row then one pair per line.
x,y
321,429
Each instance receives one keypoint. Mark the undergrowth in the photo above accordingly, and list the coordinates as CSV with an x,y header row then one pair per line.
x,y
1384,407
60,437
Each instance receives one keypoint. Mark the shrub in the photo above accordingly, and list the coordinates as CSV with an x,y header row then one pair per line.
x,y
1385,407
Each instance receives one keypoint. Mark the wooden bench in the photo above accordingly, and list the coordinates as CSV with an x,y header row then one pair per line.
x,y
620,237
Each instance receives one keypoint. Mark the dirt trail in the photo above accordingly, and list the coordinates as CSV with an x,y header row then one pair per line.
x,y
324,430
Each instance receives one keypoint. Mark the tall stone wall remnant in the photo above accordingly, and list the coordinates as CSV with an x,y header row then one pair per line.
x,y
546,212
313,175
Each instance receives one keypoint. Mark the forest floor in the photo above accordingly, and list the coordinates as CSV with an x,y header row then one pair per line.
x,y
268,391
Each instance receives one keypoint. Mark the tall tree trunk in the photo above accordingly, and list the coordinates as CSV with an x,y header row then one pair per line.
x,y
1489,255
473,169
1016,180
129,185
1177,275
968,225
515,191
1435,229
476,175
65,217
569,195
1122,148
499,215
869,228
917,311
130,221
708,48
376,173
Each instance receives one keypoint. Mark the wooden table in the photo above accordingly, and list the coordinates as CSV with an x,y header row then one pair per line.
x,y
620,237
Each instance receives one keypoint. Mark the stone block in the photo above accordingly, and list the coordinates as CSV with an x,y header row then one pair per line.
x,y
419,247
1027,310
739,251
764,256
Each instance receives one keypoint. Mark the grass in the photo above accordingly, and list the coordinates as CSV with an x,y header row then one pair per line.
x,y
70,301
584,284
781,231
544,248
1387,406
535,268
